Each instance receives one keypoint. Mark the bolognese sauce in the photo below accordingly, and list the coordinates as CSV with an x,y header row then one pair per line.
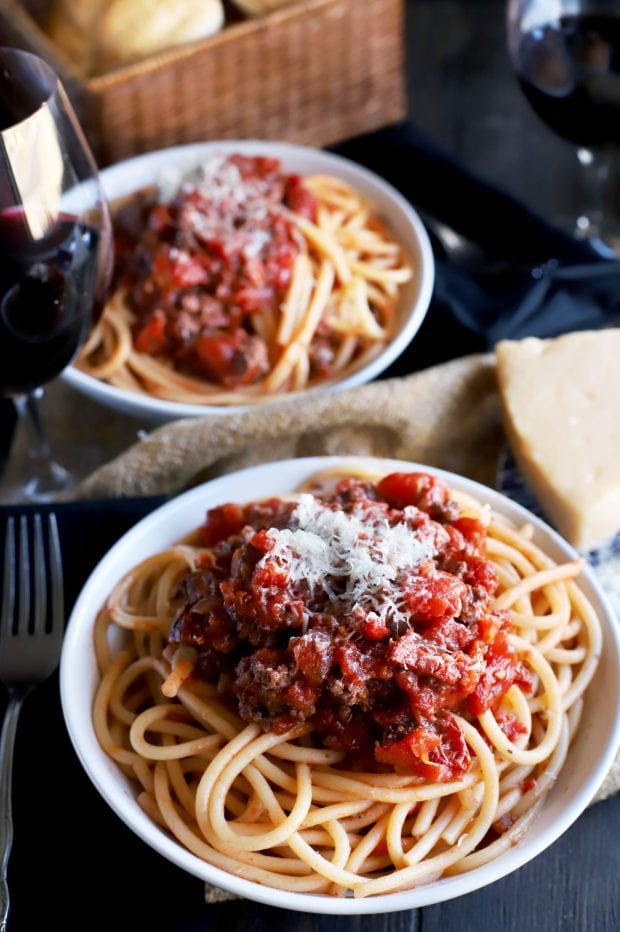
x,y
199,269
366,612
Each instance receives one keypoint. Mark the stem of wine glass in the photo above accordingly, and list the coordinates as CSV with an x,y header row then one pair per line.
x,y
47,477
594,222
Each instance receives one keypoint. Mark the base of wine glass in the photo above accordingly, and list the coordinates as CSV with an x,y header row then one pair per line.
x,y
49,483
32,473
41,488
599,224
606,246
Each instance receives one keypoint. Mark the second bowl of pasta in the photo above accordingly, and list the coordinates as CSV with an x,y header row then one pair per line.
x,y
248,272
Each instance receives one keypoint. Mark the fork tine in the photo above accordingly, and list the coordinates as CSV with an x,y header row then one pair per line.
x,y
8,579
23,616
40,590
56,578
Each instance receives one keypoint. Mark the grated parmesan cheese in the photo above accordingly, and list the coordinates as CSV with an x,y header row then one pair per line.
x,y
354,559
560,406
236,209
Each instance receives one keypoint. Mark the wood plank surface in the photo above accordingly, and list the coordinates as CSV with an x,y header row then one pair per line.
x,y
573,886
251,917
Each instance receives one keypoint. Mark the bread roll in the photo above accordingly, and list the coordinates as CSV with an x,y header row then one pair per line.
x,y
99,35
133,29
74,27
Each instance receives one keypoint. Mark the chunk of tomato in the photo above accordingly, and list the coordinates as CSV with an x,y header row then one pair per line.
x,y
473,530
375,629
435,595
502,667
437,753
172,271
220,523
400,489
151,338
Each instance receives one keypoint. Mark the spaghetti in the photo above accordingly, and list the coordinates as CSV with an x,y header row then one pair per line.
x,y
249,283
356,690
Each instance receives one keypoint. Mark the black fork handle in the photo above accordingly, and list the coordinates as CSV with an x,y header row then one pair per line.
x,y
7,745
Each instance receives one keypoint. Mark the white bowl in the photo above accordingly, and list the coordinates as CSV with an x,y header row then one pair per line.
x,y
588,761
133,174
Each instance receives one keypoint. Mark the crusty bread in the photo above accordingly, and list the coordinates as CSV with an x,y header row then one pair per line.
x,y
74,27
561,402
100,35
132,29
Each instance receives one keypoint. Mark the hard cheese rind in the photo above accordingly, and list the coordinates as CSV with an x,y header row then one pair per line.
x,y
561,401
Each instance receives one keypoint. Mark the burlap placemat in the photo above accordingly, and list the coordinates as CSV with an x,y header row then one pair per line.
x,y
448,416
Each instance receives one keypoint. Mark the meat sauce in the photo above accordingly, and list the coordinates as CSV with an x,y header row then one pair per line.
x,y
379,683
198,269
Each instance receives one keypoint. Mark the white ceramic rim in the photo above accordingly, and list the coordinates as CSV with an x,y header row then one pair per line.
x,y
120,179
591,754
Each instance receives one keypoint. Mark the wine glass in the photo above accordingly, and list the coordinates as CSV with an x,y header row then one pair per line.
x,y
55,249
566,55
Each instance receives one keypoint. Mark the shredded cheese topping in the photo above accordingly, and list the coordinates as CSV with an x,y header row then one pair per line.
x,y
238,207
355,559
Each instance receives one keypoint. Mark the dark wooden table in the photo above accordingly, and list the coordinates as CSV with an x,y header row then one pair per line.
x,y
76,867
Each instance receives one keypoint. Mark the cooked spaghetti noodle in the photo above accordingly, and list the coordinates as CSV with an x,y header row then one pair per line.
x,y
249,284
473,651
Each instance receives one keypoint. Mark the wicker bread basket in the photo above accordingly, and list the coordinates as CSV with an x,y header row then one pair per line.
x,y
315,72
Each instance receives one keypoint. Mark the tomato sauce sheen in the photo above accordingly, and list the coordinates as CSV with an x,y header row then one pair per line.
x,y
378,685
197,270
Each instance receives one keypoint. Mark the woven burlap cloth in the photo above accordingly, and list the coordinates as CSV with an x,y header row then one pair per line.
x,y
447,416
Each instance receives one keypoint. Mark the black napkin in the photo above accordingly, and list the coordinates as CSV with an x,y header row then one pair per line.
x,y
74,864
87,530
522,276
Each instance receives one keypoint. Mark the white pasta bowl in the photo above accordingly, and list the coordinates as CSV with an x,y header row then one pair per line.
x,y
167,166
589,757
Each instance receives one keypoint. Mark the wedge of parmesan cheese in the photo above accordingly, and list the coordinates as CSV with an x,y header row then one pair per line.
x,y
561,404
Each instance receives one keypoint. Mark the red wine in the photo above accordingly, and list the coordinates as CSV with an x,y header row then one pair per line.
x,y
569,70
46,296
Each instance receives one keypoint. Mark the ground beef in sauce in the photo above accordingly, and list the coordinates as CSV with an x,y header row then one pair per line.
x,y
382,690
198,270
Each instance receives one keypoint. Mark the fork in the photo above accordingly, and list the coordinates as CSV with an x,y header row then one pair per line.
x,y
31,632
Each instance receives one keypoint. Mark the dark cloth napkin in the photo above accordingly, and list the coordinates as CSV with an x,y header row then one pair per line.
x,y
87,530
74,864
521,276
